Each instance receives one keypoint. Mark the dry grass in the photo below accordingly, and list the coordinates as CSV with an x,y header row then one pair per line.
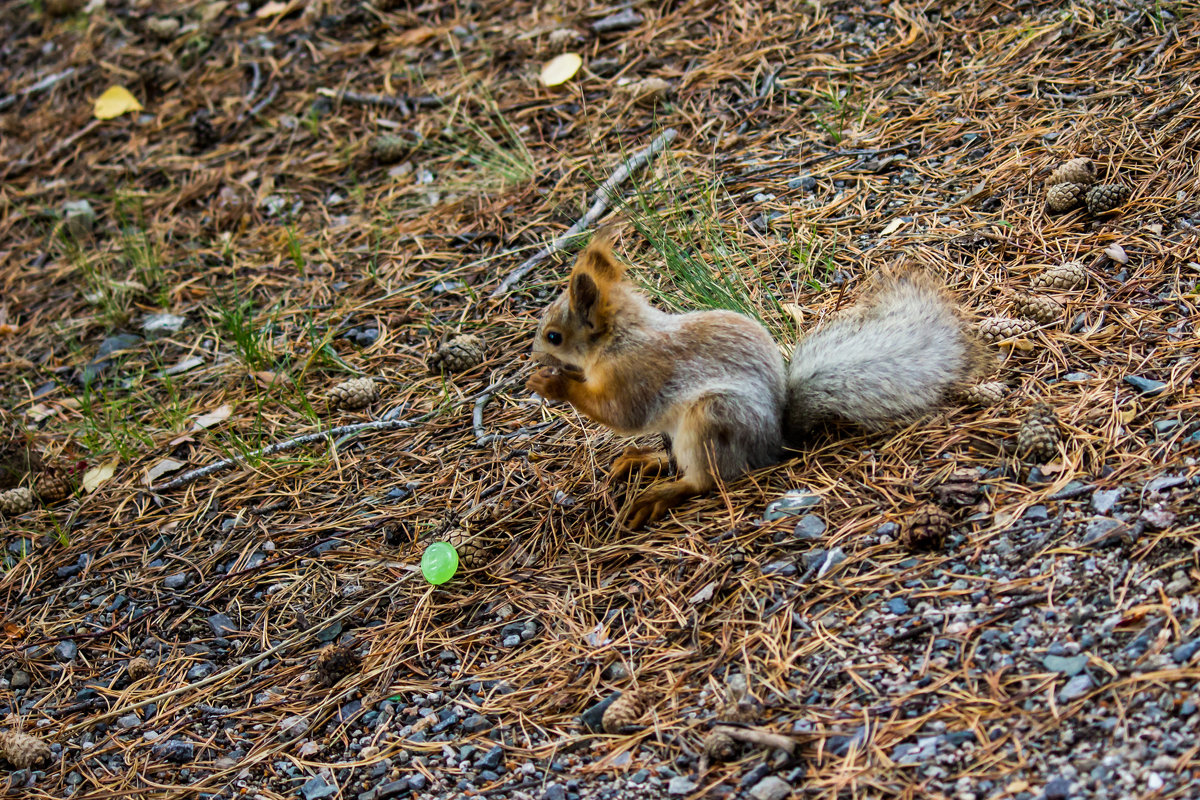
x,y
980,101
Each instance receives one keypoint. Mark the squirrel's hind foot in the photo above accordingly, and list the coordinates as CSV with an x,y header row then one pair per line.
x,y
648,460
656,501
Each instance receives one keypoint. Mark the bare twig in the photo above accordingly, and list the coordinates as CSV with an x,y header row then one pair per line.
x,y
601,200
401,103
759,737
45,83
279,447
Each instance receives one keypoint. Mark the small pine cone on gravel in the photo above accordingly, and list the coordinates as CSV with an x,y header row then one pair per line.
x,y
624,712
985,394
389,149
1062,197
138,668
461,353
1070,275
1077,170
16,501
353,394
1037,307
996,329
335,662
1105,197
1039,434
960,489
469,548
23,751
720,746
745,710
927,528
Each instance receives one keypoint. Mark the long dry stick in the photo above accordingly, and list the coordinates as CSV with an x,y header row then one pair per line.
x,y
601,200
759,737
43,84
279,447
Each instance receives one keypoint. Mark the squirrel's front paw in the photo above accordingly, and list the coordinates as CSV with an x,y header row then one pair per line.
x,y
548,382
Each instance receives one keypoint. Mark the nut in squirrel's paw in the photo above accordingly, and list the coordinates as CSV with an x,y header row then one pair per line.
x,y
550,382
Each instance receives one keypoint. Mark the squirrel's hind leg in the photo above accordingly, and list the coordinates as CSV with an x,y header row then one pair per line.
x,y
709,441
648,460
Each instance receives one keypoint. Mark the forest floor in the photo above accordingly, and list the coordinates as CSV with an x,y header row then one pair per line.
x,y
186,283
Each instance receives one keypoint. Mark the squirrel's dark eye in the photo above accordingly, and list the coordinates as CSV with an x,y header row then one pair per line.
x,y
554,338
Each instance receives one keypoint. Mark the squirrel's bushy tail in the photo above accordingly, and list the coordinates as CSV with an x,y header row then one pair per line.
x,y
894,356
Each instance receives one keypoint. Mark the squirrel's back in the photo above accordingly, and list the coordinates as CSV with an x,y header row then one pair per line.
x,y
892,357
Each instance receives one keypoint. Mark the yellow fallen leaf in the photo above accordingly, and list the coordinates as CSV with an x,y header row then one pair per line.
x,y
114,102
96,477
561,69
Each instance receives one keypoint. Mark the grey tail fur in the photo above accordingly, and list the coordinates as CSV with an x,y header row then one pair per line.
x,y
892,357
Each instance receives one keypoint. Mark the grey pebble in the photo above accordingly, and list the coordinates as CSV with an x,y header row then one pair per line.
x,y
317,788
1076,687
1104,500
1146,386
66,651
810,526
680,785
771,788
620,21
177,581
1069,666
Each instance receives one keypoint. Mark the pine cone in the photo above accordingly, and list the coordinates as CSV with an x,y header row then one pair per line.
x,y
1039,435
1077,170
985,394
1037,307
16,501
1070,275
1104,197
352,394
720,746
469,548
389,149
624,712
22,750
204,135
995,329
335,662
927,528
1062,197
463,352
54,484
138,668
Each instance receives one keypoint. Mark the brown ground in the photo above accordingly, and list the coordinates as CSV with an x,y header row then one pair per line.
x,y
247,199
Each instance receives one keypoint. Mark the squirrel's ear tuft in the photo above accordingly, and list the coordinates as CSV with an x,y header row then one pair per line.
x,y
598,258
585,298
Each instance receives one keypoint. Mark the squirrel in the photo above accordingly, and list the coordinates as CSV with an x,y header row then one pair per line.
x,y
713,383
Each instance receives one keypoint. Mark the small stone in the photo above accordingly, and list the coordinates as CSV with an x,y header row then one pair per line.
x,y
1057,789
1146,386
680,785
1183,654
897,606
792,503
221,625
556,791
1076,687
317,788
1105,531
810,526
1104,500
293,726
805,182
771,788
129,721
178,751
1069,666
492,759
20,680
66,651
622,20
476,723
177,581
163,28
